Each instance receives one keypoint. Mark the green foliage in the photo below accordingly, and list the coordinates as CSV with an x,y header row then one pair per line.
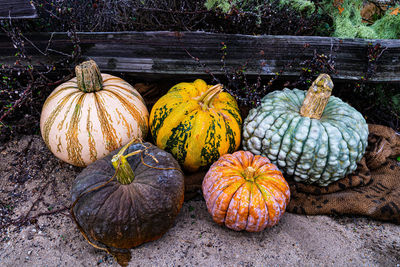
x,y
300,5
388,27
347,20
224,5
253,5
348,23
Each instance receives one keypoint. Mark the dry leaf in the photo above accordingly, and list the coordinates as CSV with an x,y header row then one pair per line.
x,y
395,11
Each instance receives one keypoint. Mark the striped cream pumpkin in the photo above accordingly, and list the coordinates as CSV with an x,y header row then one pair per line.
x,y
91,115
196,123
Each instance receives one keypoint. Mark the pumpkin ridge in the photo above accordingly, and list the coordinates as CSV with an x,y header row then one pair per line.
x,y
230,201
286,101
175,120
317,148
56,93
74,147
271,126
233,115
157,122
133,110
193,145
229,204
91,141
229,135
48,123
333,115
258,124
289,102
272,129
67,98
212,140
291,137
275,185
355,132
124,89
104,202
179,133
249,205
348,141
110,77
226,185
313,124
223,177
265,196
300,96
239,183
263,204
329,150
285,131
347,145
107,130
302,148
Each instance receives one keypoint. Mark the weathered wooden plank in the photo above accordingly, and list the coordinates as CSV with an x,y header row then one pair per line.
x,y
17,9
163,53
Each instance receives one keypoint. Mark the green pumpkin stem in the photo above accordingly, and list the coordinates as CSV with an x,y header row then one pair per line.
x,y
207,97
88,77
120,163
248,173
317,97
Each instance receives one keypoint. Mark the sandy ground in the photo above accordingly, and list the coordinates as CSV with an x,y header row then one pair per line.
x,y
29,175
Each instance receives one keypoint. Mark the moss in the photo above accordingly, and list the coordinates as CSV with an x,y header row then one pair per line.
x,y
388,27
226,5
348,23
300,5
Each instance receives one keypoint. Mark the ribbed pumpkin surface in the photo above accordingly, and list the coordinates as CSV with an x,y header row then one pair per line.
x,y
245,192
313,151
196,135
80,127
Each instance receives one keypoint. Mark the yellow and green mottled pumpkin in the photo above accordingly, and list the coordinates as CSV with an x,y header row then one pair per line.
x,y
91,115
196,123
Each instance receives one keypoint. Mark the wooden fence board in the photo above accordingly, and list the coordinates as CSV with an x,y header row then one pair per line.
x,y
17,9
163,53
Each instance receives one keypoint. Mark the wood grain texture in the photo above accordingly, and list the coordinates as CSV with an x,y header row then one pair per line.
x,y
160,54
17,9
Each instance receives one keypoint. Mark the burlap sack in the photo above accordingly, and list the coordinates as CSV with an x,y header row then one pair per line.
x,y
372,190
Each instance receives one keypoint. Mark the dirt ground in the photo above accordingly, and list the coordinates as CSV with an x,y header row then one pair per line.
x,y
30,175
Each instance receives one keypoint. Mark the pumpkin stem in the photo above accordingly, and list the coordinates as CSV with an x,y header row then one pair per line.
x,y
88,77
120,163
207,97
317,97
249,173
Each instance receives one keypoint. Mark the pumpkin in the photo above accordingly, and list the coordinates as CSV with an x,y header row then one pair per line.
x,y
312,136
91,115
245,192
140,205
197,123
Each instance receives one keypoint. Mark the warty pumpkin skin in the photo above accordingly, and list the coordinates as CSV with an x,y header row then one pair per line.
x,y
197,123
126,213
245,192
91,115
321,147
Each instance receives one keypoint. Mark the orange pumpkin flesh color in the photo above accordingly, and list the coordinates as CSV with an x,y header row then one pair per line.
x,y
245,192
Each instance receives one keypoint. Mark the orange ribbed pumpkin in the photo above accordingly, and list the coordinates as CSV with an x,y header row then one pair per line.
x,y
245,192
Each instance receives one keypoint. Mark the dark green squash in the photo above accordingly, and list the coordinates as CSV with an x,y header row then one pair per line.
x,y
140,205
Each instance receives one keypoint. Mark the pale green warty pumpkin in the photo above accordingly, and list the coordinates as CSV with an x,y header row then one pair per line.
x,y
316,139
